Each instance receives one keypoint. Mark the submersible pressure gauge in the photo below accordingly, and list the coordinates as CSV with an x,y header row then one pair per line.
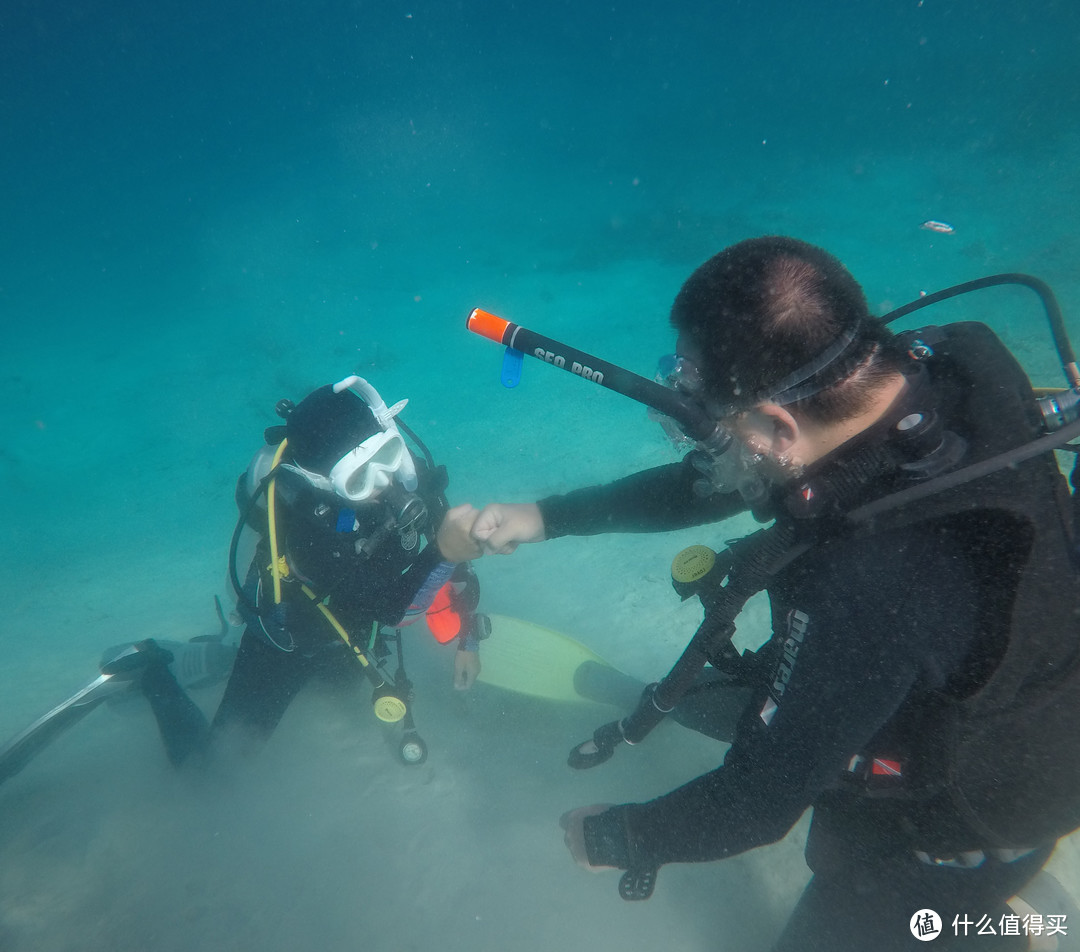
x,y
413,750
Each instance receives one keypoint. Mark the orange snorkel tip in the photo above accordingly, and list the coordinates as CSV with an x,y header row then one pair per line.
x,y
488,325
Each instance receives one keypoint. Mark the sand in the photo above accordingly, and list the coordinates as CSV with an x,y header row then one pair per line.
x,y
215,211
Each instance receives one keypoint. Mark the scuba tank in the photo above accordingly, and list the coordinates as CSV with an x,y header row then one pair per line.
x,y
250,528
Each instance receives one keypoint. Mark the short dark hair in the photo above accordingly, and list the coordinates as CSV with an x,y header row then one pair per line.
x,y
766,307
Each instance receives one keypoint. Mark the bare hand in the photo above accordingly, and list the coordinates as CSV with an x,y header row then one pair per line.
x,y
501,527
574,825
454,538
466,669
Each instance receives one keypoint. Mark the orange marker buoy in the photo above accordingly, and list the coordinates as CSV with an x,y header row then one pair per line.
x,y
442,619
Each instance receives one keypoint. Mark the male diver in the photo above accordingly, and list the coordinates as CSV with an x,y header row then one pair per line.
x,y
347,538
920,686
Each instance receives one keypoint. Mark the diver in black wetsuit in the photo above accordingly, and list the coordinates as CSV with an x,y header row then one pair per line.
x,y
348,538
917,688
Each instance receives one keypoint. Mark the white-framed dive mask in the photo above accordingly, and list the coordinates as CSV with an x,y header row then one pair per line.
x,y
363,472
384,416
369,468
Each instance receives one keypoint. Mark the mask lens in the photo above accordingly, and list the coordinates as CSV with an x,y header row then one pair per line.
x,y
678,373
369,467
666,367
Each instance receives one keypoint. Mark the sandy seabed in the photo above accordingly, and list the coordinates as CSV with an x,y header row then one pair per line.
x,y
325,841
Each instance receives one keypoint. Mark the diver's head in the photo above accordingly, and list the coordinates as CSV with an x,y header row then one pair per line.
x,y
342,439
778,320
776,342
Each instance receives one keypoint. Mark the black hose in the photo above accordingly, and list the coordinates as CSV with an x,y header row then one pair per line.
x,y
234,544
1040,287
419,442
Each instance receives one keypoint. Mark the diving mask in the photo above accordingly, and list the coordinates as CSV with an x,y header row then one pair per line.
x,y
726,464
681,375
365,471
405,468
369,468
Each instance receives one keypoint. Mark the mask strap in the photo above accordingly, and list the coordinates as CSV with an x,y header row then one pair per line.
x,y
316,479
789,390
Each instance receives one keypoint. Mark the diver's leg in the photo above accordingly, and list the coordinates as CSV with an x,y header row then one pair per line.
x,y
848,914
713,705
863,899
263,683
182,725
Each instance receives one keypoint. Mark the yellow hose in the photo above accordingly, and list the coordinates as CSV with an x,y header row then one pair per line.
x,y
271,520
276,563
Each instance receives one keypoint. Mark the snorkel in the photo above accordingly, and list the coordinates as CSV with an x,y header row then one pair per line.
x,y
690,415
1059,408
725,465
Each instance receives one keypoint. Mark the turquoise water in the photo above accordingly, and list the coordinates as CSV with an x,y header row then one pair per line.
x,y
208,207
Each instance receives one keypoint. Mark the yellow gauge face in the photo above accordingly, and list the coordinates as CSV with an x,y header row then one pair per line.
x,y
692,563
389,708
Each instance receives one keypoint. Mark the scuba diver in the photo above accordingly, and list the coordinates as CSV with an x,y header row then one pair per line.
x,y
343,539
920,685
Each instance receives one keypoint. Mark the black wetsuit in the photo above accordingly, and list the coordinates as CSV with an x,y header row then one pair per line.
x,y
368,588
869,633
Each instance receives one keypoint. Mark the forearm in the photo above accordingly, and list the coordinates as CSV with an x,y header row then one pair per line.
x,y
709,818
413,591
655,500
465,599
772,772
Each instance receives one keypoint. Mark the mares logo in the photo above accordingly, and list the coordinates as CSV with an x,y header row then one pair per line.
x,y
581,370
797,622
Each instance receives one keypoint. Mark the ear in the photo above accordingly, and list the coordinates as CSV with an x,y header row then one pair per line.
x,y
771,430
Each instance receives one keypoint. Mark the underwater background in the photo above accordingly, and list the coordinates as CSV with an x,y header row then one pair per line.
x,y
206,207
